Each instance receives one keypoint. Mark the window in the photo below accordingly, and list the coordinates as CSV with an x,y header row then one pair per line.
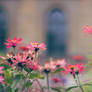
x,y
56,33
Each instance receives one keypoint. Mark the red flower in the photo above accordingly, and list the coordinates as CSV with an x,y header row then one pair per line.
x,y
13,43
74,69
56,80
80,58
88,29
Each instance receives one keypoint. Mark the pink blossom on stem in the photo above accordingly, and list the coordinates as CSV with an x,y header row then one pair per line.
x,y
60,63
37,46
74,69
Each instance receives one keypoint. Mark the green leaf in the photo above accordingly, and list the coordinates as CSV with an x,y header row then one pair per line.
x,y
27,69
28,84
59,70
68,89
35,75
20,76
16,90
56,89
8,77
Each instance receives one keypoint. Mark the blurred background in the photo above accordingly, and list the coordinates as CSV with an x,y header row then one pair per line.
x,y
58,23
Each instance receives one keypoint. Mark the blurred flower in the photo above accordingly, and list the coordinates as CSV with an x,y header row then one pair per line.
x,y
88,29
56,80
13,43
74,69
24,48
40,68
2,80
1,77
1,69
49,67
60,63
78,58
37,46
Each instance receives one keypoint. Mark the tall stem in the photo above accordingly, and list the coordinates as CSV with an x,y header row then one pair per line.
x,y
48,87
14,50
82,90
76,82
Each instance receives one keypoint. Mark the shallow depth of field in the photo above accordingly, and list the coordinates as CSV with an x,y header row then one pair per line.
x,y
45,46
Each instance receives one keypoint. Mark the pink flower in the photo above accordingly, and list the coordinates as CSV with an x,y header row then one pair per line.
x,y
79,58
2,80
74,69
1,69
88,29
13,43
60,63
56,80
49,67
37,46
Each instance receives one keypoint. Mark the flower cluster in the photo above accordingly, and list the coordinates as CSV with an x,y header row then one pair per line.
x,y
26,57
24,61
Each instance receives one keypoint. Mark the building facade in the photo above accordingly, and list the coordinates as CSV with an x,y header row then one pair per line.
x,y
55,22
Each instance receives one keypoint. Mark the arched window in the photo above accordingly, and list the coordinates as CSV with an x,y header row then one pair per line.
x,y
56,33
3,29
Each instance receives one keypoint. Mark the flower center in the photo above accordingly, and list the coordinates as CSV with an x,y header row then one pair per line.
x,y
36,43
12,40
72,67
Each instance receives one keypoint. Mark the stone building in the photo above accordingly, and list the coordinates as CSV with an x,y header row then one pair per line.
x,y
58,23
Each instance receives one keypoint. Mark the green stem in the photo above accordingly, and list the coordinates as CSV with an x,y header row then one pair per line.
x,y
24,82
82,90
76,82
48,87
14,50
